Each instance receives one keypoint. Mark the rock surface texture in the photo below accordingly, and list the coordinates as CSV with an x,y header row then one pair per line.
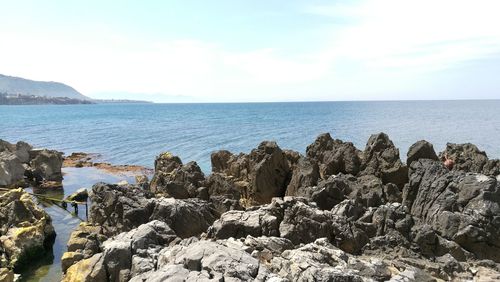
x,y
26,231
20,165
334,214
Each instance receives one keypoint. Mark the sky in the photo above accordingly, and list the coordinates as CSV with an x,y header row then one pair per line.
x,y
257,51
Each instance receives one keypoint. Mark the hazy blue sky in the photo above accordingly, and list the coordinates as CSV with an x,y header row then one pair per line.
x,y
257,50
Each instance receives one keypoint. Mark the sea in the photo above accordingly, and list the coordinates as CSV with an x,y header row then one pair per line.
x,y
137,133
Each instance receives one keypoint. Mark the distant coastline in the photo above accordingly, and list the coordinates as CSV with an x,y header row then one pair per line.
x,y
21,99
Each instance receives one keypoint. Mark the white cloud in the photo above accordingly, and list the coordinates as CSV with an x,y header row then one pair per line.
x,y
370,45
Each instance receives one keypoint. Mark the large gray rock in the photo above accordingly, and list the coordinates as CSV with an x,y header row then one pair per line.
x,y
187,218
458,206
217,259
262,174
367,190
467,157
173,179
305,174
11,170
334,156
120,208
420,150
293,219
127,254
46,165
381,158
321,261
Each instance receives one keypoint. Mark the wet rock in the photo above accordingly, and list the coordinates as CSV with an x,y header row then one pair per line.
x,y
46,165
26,230
80,195
381,159
420,150
173,179
334,156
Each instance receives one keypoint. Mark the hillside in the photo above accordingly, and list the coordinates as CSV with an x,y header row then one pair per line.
x,y
17,85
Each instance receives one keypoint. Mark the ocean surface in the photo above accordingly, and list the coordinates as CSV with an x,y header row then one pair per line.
x,y
136,133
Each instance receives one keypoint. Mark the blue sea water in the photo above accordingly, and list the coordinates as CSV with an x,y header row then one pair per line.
x,y
136,133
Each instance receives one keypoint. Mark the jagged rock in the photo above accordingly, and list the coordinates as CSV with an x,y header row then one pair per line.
x,y
321,261
217,258
420,150
174,179
458,206
292,158
381,158
334,156
46,165
262,174
117,209
221,185
305,174
87,270
262,221
467,157
11,170
85,241
367,190
187,218
266,247
220,161
122,252
142,181
70,258
292,219
80,195
26,230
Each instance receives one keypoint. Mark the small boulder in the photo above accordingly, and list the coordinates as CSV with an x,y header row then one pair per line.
x,y
46,165
420,150
80,195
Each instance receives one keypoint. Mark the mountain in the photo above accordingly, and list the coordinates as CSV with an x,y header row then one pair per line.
x,y
17,85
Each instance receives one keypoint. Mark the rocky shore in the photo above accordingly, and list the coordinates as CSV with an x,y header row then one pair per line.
x,y
337,213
